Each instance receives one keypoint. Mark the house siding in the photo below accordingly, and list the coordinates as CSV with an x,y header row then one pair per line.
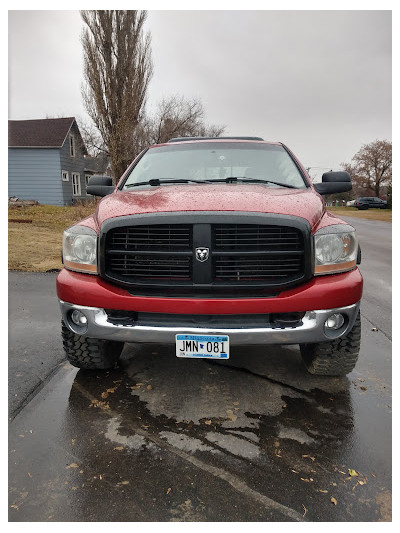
x,y
35,174
73,164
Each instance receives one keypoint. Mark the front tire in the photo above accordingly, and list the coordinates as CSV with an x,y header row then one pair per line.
x,y
333,358
90,354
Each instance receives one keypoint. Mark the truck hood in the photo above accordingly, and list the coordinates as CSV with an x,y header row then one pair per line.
x,y
304,203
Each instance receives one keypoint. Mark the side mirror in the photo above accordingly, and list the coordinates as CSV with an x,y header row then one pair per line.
x,y
100,186
334,182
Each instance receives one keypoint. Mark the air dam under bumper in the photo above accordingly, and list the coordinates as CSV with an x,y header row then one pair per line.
x,y
312,328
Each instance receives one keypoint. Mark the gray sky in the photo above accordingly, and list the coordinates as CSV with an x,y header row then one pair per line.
x,y
319,81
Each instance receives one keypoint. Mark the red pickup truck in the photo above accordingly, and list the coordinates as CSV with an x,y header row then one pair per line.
x,y
210,243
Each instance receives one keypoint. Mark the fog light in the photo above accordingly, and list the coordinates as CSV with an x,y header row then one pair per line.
x,y
78,318
335,321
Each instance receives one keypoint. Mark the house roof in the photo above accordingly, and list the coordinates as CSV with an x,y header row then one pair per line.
x,y
97,165
40,133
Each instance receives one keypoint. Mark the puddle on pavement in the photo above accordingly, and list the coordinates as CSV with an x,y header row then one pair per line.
x,y
265,418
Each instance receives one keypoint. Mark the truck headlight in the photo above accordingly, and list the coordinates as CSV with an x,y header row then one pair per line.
x,y
80,249
335,249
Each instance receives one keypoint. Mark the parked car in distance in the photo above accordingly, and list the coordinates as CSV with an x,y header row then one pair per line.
x,y
350,203
370,201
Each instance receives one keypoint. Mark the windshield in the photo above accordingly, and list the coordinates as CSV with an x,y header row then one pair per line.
x,y
208,161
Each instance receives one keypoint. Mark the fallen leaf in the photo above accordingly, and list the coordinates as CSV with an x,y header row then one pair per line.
x,y
231,416
363,388
305,510
119,448
309,456
295,471
29,474
14,507
149,387
374,329
169,490
124,482
334,501
74,488
73,465
104,395
112,390
324,491
342,472
303,479
208,422
352,472
235,403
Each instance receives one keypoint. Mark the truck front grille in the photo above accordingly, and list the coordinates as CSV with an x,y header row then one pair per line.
x,y
243,258
148,252
256,252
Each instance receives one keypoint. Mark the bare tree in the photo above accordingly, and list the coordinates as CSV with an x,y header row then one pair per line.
x,y
371,167
177,116
117,71
91,137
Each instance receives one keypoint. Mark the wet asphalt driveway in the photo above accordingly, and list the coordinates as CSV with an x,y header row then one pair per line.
x,y
254,438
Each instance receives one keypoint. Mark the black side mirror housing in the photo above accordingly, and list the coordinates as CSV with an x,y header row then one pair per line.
x,y
334,182
100,186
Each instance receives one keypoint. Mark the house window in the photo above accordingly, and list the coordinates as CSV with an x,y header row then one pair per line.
x,y
71,146
76,184
65,175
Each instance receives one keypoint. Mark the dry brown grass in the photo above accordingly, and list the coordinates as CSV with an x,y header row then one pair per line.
x,y
36,246
384,215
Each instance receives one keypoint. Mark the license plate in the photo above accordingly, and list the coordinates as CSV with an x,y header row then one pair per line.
x,y
202,346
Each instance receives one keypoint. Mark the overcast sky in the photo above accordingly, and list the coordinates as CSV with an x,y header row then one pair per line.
x,y
319,81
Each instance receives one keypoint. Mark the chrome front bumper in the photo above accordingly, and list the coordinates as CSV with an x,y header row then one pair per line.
x,y
312,328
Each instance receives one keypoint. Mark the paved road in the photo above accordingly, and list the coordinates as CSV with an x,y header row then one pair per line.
x,y
254,438
376,266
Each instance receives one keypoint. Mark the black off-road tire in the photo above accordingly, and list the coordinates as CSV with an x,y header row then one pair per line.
x,y
334,358
90,354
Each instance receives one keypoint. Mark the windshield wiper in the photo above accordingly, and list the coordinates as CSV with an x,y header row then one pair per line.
x,y
156,182
235,179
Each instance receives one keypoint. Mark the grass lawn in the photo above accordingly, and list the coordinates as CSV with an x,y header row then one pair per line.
x,y
384,215
35,246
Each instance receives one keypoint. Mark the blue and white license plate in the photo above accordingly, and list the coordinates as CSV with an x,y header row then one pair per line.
x,y
202,346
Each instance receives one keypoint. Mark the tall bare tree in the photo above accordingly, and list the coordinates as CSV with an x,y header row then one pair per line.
x,y
117,71
371,167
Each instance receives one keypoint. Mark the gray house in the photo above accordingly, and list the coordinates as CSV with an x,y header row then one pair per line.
x,y
48,161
